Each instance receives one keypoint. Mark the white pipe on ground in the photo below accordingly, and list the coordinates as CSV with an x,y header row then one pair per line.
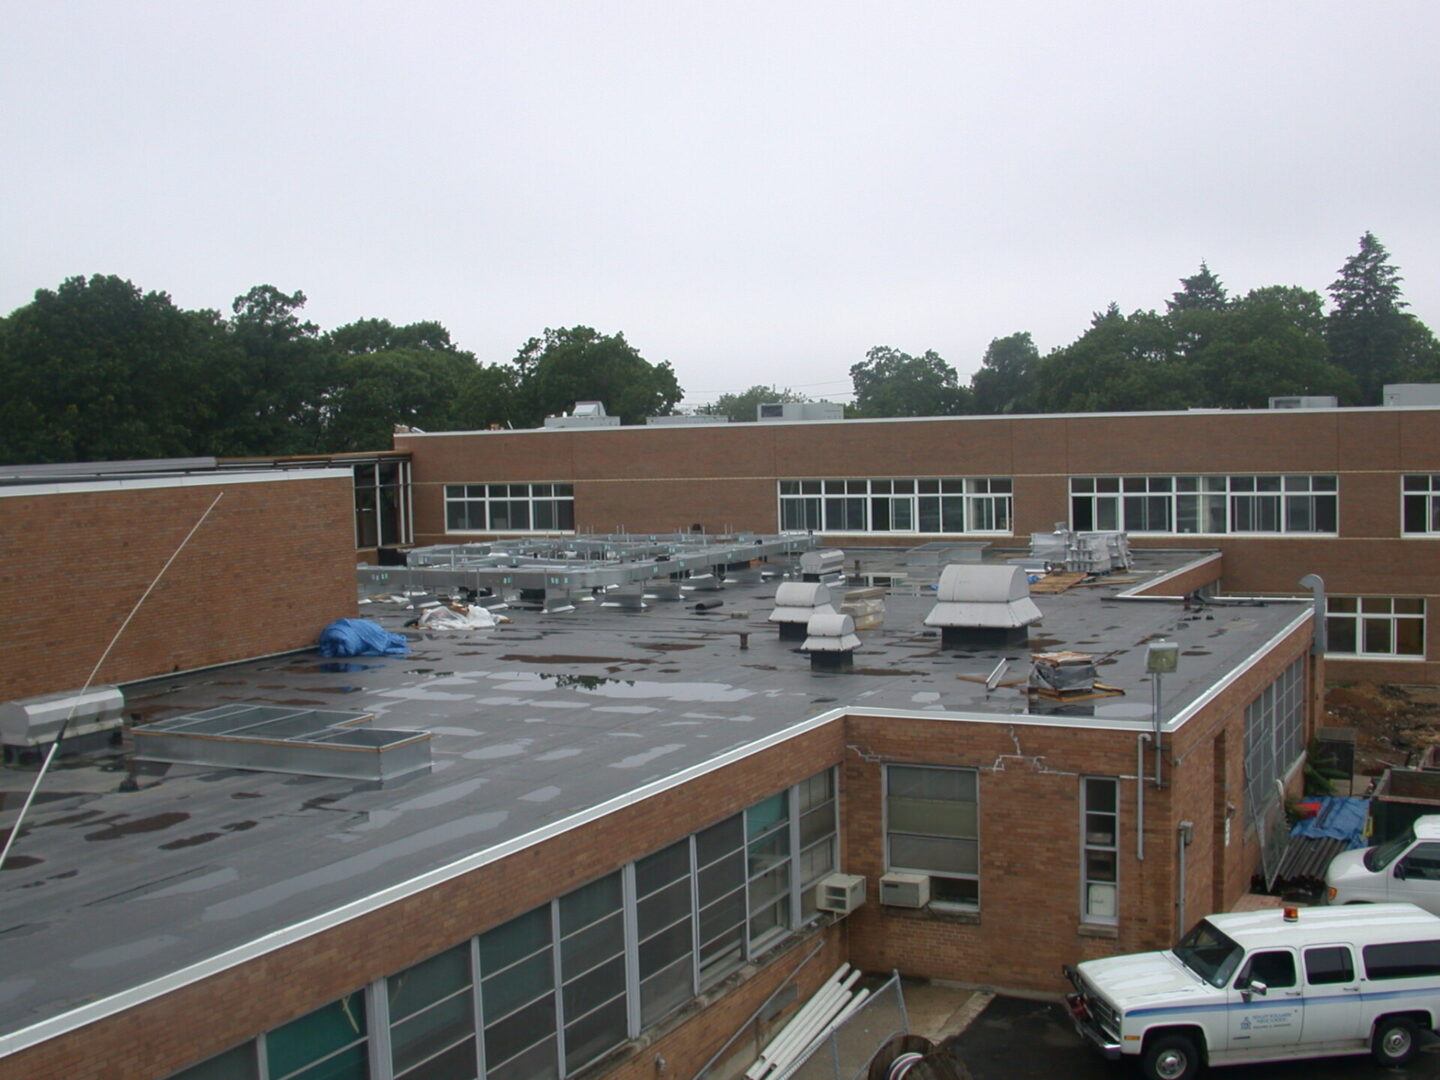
x,y
805,1033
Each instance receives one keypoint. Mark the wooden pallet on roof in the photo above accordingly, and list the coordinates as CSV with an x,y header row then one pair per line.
x,y
1057,583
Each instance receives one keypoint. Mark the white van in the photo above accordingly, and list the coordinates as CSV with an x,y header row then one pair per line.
x,y
1406,868
1268,986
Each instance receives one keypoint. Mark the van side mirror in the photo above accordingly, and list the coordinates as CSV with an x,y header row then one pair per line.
x,y
1400,870
1255,986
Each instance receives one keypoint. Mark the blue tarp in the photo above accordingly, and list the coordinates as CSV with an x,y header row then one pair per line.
x,y
1339,819
361,637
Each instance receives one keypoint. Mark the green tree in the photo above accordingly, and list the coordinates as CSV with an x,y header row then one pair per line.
x,y
387,375
98,370
1120,364
1005,382
1202,291
580,364
744,406
1369,333
892,383
280,395
1269,342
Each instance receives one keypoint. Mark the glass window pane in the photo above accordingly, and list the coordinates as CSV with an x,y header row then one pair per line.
x,y
589,903
428,981
591,1036
236,1064
518,984
930,853
540,1062
586,948
508,1037
438,1028
316,1035
515,939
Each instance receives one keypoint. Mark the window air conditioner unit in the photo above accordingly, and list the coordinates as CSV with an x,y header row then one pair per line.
x,y
840,893
905,890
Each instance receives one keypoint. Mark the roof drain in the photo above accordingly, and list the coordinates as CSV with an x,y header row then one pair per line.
x,y
983,606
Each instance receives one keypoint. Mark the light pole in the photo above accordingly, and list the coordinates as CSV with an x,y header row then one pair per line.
x,y
1161,657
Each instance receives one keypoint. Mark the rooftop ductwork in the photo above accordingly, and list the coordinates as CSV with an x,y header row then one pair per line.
x,y
33,722
819,565
983,606
831,642
795,603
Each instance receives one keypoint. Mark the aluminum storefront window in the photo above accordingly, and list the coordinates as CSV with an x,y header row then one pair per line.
x,y
959,505
1178,505
1375,627
509,508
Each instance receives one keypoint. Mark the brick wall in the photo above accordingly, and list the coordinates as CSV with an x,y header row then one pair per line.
x,y
271,565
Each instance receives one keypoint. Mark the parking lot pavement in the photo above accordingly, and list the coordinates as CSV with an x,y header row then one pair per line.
x,y
1018,1039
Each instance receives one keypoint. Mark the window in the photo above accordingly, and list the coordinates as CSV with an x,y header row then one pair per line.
x,y
1274,968
236,1064
1422,863
665,929
1375,626
432,1019
509,508
1329,964
382,504
815,807
1420,500
1405,960
767,827
1100,842
592,970
1205,504
720,897
517,995
932,827
906,505
1274,725
327,1044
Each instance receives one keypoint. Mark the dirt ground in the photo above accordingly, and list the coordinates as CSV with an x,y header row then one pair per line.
x,y
1394,725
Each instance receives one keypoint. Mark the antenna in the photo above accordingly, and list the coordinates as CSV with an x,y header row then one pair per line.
x,y
54,746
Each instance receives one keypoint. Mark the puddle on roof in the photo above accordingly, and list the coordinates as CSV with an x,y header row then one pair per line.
x,y
883,671
671,646
337,667
561,658
501,750
584,682
430,673
338,689
19,862
153,823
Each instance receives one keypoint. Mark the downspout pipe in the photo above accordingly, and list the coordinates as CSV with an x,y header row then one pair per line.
x,y
1319,640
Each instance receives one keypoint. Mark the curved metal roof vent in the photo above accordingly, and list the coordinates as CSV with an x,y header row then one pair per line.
x,y
795,603
983,605
831,642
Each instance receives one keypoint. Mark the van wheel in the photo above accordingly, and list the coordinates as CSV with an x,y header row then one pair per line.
x,y
1170,1057
1394,1041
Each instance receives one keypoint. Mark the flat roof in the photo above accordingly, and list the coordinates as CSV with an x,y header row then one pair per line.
x,y
110,898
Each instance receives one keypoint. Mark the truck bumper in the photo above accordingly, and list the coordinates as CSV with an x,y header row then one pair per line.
x,y
1085,1024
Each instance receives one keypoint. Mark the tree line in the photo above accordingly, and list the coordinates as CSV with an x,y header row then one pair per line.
x,y
98,370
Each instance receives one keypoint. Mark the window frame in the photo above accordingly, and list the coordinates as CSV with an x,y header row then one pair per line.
x,y
1089,846
903,506
1281,502
947,875
1357,618
1420,492
480,503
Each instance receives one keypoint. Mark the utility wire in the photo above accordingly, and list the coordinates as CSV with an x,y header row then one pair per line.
x,y
50,754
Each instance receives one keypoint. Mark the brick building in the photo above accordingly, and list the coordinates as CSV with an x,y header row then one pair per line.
x,y
616,853
1352,495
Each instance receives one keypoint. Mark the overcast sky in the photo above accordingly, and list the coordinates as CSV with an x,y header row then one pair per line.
x,y
757,193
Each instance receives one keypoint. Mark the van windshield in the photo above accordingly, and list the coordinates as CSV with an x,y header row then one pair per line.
x,y
1209,953
1382,855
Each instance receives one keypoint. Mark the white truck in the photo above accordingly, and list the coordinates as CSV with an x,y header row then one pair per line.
x,y
1406,868
1268,986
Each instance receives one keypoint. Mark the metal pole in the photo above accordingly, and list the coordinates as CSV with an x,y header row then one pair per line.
x,y
1155,691
50,755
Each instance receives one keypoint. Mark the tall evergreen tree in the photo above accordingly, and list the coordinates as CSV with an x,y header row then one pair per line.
x,y
1202,291
1368,330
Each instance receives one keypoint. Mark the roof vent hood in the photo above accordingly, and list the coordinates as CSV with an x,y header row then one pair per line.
x,y
831,642
983,606
795,602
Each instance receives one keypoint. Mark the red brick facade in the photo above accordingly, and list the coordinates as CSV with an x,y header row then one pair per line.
x,y
272,564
